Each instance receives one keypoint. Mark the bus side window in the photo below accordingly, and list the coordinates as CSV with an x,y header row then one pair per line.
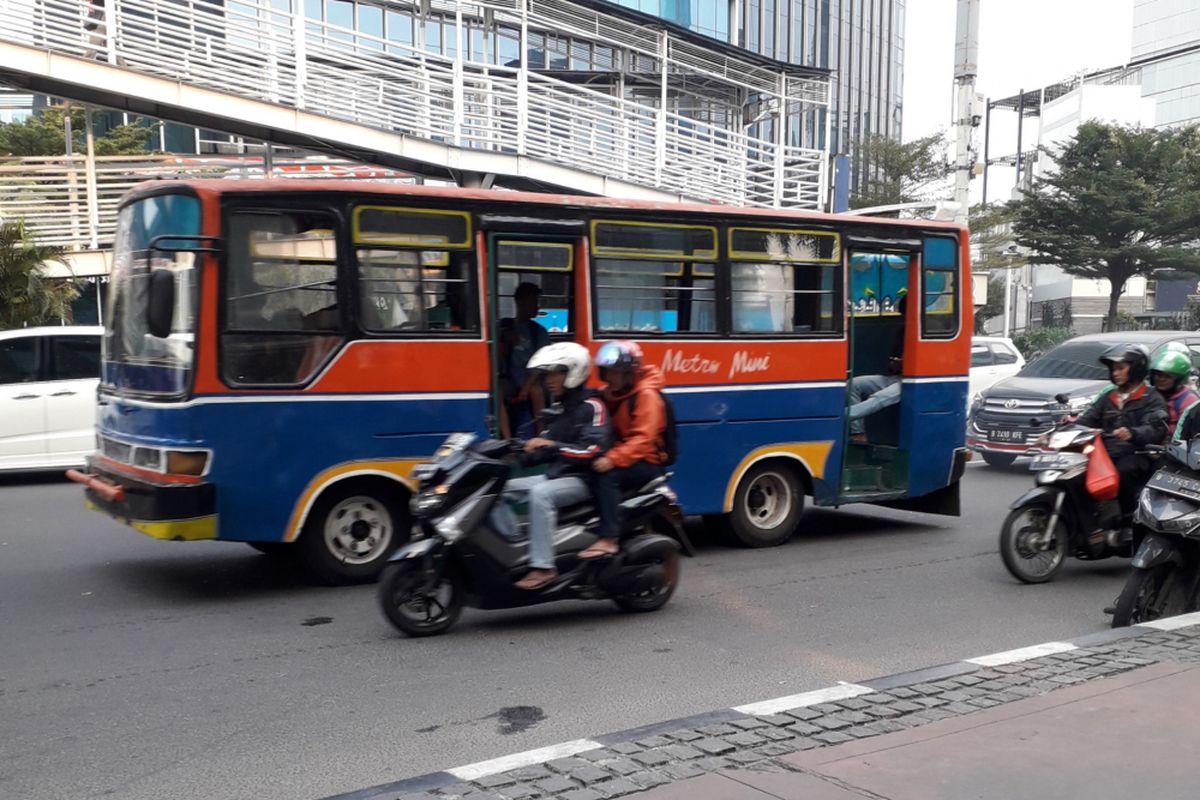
x,y
416,270
655,296
785,281
939,288
281,318
406,291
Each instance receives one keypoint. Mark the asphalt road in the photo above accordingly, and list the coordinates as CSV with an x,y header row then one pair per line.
x,y
136,669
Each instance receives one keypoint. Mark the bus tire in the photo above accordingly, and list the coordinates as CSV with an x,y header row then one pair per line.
x,y
351,531
767,505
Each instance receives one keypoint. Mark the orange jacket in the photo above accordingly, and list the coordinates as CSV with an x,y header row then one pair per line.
x,y
639,436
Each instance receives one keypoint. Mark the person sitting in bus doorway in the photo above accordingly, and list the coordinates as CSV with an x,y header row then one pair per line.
x,y
577,434
633,394
520,338
872,393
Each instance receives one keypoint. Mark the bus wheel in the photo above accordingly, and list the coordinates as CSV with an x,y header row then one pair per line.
x,y
351,531
767,505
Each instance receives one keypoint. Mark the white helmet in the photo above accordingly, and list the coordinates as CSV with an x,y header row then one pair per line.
x,y
567,357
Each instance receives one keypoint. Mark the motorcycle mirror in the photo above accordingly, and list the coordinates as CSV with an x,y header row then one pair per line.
x,y
1061,398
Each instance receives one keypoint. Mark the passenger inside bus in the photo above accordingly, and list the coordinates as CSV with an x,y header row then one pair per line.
x,y
872,393
519,338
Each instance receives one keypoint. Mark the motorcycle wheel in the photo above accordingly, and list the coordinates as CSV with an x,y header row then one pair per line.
x,y
1145,596
412,609
1023,559
656,598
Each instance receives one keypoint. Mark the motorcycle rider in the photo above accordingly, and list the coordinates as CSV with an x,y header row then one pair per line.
x,y
639,418
578,433
1169,375
1134,415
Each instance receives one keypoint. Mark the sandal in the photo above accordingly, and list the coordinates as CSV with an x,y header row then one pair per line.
x,y
536,579
595,551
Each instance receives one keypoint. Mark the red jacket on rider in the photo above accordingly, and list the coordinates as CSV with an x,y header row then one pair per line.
x,y
638,435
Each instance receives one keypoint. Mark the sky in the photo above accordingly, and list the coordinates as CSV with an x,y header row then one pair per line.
x,y
1023,44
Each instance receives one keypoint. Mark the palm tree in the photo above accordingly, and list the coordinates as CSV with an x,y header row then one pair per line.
x,y
27,295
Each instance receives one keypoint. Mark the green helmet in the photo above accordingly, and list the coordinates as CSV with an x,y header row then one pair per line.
x,y
1175,346
1172,362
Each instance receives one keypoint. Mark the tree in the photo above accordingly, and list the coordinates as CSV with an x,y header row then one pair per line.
x,y
27,295
44,134
891,172
992,251
994,306
1119,202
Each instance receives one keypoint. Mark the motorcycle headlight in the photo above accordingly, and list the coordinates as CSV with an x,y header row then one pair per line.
x,y
1165,513
1078,405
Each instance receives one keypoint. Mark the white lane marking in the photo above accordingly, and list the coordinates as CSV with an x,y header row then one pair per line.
x,y
1173,623
840,692
528,758
1022,654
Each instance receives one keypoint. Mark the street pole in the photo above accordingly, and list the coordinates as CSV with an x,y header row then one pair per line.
x,y
1007,299
966,60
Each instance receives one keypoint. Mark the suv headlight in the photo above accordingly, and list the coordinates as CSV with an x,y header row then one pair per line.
x,y
976,404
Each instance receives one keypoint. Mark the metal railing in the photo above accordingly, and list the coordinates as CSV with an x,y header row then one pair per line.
x,y
64,203
253,49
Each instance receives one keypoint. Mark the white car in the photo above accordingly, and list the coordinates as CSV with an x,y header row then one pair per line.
x,y
48,380
993,358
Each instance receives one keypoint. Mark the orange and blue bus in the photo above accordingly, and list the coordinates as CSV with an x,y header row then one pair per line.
x,y
279,355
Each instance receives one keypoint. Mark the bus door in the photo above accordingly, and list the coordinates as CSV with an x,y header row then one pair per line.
x,y
531,285
875,464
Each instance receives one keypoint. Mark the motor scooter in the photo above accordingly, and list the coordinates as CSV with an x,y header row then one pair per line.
x,y
1165,580
457,558
1058,517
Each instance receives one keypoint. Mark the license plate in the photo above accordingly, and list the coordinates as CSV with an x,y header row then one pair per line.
x,y
1174,483
1055,461
1017,437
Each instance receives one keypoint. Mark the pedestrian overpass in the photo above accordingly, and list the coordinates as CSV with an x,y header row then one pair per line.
x,y
575,96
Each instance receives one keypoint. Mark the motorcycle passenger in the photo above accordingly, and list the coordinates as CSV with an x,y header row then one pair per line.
x,y
578,433
639,418
1134,415
1169,375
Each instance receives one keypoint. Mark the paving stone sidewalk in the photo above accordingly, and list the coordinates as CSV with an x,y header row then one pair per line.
x,y
633,761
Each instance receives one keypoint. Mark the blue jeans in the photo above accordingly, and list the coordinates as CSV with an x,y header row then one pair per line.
x,y
871,393
545,496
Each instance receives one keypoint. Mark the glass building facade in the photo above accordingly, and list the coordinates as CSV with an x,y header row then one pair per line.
x,y
861,41
1166,34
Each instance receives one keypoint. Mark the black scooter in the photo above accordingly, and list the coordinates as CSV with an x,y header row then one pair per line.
x,y
456,558
1166,568
1058,517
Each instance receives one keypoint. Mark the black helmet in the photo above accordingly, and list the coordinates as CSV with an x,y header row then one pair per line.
x,y
1135,355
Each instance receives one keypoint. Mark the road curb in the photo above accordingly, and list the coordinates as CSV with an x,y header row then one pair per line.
x,y
628,761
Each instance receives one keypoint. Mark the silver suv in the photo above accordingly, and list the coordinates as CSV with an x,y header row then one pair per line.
x,y
1007,418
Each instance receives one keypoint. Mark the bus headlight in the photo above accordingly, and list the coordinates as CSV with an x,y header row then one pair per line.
x,y
187,462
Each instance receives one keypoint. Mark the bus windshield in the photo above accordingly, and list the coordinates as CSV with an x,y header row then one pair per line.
x,y
135,359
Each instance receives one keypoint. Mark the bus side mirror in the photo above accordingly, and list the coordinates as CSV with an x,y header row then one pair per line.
x,y
160,306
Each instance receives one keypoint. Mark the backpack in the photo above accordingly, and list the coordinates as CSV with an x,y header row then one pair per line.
x,y
670,435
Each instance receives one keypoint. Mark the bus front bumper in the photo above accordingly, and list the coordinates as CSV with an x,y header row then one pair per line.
x,y
171,511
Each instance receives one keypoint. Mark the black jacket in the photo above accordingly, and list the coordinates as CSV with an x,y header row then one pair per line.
x,y
581,432
1145,414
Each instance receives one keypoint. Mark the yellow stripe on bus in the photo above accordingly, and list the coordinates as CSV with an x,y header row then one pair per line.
x,y
813,455
397,469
